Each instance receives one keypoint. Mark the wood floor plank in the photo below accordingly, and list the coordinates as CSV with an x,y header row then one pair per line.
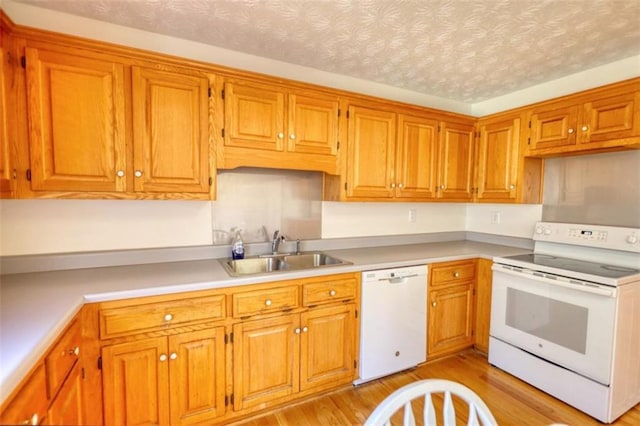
x,y
511,401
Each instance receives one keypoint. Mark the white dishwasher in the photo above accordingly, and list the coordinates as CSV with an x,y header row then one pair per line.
x,y
393,322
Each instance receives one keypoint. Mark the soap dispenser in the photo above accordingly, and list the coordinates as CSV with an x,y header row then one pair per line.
x,y
237,246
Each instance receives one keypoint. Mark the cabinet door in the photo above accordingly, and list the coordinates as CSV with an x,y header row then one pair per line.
x,y
553,126
29,405
313,124
254,116
610,118
483,304
327,346
5,166
416,157
497,164
450,325
171,131
266,356
136,383
76,112
197,376
455,170
67,409
371,155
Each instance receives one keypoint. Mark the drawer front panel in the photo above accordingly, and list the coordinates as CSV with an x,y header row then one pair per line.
x,y
453,273
329,291
265,301
115,322
62,358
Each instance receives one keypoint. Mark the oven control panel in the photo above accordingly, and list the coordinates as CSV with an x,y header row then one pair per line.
x,y
599,236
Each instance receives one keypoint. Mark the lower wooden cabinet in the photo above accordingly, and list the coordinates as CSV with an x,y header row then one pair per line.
x,y
451,307
173,380
29,405
278,357
67,408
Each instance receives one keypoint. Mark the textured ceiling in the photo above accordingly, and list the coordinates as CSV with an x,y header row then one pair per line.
x,y
461,50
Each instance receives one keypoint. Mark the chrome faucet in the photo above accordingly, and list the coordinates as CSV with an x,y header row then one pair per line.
x,y
275,243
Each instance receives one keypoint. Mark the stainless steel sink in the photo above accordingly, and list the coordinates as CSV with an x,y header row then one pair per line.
x,y
279,262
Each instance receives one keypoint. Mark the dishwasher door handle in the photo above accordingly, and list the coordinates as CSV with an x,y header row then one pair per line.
x,y
397,280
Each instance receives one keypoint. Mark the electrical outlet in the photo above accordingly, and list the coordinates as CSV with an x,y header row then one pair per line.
x,y
495,218
412,215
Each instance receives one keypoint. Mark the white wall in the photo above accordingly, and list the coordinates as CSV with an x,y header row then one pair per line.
x,y
512,220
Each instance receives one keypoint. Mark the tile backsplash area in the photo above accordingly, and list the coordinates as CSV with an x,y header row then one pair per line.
x,y
261,201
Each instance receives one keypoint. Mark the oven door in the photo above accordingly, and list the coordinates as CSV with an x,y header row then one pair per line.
x,y
561,321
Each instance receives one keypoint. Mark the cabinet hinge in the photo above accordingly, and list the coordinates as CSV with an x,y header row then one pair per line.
x,y
231,341
222,133
209,92
232,399
345,186
23,61
338,145
529,123
210,181
99,363
29,174
347,114
82,373
355,364
528,141
222,93
356,313
226,400
438,128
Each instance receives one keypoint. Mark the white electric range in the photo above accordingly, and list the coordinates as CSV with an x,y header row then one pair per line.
x,y
566,318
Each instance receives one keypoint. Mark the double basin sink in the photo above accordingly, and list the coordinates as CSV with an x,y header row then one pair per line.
x,y
280,262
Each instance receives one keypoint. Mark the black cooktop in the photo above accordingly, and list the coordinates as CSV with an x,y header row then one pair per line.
x,y
580,266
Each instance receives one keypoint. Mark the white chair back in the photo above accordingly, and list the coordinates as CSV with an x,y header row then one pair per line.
x,y
478,410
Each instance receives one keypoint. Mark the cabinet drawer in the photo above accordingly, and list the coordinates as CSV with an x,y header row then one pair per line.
x,y
62,358
265,301
30,405
126,320
452,272
329,291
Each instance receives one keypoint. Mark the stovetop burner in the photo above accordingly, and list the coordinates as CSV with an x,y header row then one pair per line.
x,y
575,265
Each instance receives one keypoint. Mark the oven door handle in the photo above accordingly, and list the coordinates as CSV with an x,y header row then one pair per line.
x,y
575,285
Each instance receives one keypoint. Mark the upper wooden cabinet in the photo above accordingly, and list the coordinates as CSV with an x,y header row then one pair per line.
x,y
6,80
278,127
405,156
93,132
601,119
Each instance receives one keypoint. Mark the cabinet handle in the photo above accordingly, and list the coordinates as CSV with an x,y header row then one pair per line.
x,y
163,357
280,135
75,351
585,128
433,304
173,355
137,173
292,136
297,330
120,173
168,317
456,274
268,302
570,131
332,293
305,329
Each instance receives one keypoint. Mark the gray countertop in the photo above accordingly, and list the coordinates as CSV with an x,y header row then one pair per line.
x,y
35,307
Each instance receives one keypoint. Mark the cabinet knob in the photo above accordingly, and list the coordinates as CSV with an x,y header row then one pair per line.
x,y
456,274
168,317
75,351
137,173
570,131
120,173
305,329
433,304
173,355
280,135
512,186
268,302
585,128
332,293
400,185
443,187
393,185
297,330
33,420
163,357
292,136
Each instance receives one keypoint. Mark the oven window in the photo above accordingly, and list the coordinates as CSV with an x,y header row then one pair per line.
x,y
559,322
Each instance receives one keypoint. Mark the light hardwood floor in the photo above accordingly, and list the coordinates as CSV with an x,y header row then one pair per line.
x,y
511,401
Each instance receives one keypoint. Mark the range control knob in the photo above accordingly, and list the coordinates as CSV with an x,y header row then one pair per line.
x,y
539,230
632,239
547,231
